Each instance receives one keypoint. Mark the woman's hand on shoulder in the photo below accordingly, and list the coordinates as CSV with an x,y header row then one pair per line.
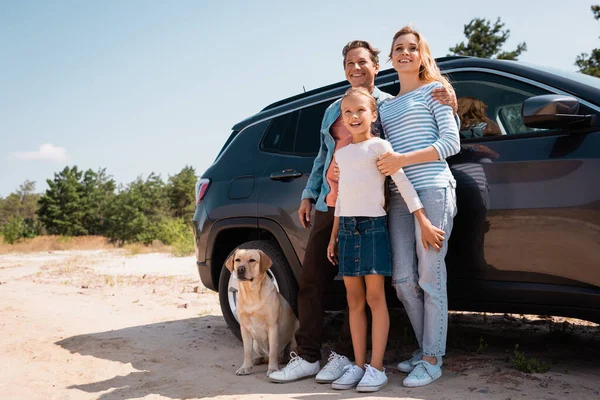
x,y
391,162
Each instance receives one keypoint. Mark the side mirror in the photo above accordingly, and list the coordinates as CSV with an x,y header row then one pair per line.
x,y
553,111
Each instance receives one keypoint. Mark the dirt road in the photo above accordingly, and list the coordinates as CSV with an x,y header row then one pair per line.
x,y
104,325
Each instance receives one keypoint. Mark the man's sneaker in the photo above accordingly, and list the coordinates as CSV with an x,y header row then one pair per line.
x,y
408,365
297,368
423,374
373,380
333,369
350,378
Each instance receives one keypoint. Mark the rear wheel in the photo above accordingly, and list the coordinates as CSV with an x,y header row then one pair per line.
x,y
280,273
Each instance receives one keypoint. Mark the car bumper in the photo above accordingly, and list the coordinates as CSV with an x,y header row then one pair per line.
x,y
201,227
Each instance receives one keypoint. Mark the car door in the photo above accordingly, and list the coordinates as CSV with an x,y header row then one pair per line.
x,y
528,217
293,139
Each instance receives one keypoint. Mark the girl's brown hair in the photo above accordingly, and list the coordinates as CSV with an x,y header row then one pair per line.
x,y
429,71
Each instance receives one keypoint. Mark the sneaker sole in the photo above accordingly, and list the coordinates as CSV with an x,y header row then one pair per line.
x,y
341,386
321,380
367,389
290,380
421,383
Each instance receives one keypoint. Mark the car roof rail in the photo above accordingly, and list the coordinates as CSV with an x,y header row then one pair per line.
x,y
450,58
339,84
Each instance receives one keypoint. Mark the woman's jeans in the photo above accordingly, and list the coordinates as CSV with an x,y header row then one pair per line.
x,y
419,275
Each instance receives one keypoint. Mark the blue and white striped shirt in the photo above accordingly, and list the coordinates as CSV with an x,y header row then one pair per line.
x,y
415,121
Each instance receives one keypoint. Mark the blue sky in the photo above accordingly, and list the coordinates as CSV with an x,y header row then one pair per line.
x,y
137,86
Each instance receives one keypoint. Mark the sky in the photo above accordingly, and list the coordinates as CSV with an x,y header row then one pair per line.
x,y
141,86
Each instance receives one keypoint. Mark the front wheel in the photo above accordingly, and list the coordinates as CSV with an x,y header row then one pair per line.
x,y
280,273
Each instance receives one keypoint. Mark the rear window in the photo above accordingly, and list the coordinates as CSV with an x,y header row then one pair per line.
x,y
227,143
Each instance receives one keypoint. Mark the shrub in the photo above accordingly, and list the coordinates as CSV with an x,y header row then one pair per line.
x,y
14,229
528,365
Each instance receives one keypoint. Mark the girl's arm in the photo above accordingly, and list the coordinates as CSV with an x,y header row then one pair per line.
x,y
430,235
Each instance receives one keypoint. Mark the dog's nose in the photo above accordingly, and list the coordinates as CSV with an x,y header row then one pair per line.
x,y
241,270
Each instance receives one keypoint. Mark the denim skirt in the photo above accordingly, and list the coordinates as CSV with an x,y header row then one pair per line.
x,y
364,246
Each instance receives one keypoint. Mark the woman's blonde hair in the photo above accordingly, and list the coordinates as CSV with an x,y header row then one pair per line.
x,y
428,71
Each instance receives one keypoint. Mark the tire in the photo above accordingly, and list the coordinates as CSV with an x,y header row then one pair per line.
x,y
280,272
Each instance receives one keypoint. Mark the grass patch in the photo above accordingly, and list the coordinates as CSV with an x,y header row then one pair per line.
x,y
528,364
56,243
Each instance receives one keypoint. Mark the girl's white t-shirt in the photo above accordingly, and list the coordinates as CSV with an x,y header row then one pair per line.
x,y
361,185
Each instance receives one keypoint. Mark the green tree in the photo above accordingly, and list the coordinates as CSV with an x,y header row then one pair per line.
x,y
590,63
62,208
485,40
181,191
19,211
137,211
98,191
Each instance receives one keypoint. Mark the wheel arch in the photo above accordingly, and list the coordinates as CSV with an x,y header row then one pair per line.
x,y
227,234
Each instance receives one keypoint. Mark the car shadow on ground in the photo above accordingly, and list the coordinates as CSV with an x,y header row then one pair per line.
x,y
203,362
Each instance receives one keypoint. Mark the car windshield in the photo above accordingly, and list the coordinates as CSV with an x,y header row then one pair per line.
x,y
575,76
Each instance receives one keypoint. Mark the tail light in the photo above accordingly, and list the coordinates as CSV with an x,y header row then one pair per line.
x,y
201,188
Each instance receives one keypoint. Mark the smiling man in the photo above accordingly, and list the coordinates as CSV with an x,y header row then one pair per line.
x,y
361,65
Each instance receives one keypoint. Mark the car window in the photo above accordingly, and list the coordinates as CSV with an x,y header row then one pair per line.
x,y
490,105
296,133
279,137
309,130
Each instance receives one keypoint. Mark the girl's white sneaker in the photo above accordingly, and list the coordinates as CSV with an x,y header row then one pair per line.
x,y
350,378
373,380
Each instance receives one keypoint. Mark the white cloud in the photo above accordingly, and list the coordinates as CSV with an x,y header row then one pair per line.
x,y
47,152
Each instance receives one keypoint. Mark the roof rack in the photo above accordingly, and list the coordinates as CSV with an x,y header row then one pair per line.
x,y
342,84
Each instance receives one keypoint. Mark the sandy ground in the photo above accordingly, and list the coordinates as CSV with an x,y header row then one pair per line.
x,y
104,325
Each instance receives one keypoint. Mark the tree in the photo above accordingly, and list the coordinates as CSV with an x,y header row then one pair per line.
x,y
62,208
181,192
98,191
18,212
590,63
137,211
486,40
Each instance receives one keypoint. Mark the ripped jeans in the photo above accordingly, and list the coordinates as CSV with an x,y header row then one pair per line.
x,y
419,275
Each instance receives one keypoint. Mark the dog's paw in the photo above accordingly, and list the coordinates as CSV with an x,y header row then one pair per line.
x,y
243,371
271,370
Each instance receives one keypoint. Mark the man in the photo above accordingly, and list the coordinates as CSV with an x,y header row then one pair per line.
x,y
361,65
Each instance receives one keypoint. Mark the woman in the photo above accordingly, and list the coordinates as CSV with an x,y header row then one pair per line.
x,y
423,133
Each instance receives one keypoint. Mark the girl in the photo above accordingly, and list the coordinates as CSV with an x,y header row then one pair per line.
x,y
423,134
360,226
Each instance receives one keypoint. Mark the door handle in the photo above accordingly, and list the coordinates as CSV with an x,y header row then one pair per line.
x,y
286,175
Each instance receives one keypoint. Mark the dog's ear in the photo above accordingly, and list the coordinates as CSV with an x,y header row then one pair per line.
x,y
265,261
229,262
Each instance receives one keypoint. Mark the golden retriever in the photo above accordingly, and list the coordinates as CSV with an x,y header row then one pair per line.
x,y
267,321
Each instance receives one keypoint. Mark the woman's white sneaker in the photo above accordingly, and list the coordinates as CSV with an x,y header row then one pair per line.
x,y
373,380
334,369
408,365
350,378
298,368
423,374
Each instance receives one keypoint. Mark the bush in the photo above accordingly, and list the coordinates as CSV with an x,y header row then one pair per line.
x,y
528,365
18,228
185,247
172,230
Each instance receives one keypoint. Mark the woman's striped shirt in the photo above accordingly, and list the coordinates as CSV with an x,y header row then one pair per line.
x,y
415,121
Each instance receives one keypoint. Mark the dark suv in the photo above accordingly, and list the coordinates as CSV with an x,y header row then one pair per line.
x,y
526,238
